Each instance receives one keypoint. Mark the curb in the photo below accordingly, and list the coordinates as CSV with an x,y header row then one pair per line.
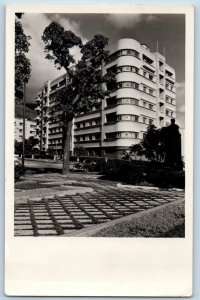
x,y
123,186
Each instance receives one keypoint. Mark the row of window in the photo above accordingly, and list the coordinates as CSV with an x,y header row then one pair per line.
x,y
170,100
121,135
144,73
132,101
87,123
55,130
55,142
170,87
119,53
147,90
133,69
169,113
134,85
134,118
131,52
148,75
113,117
87,138
127,69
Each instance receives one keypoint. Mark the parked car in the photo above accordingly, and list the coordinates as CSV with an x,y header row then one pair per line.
x,y
87,165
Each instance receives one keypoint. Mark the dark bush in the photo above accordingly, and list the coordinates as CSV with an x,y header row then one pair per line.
x,y
19,171
167,178
143,172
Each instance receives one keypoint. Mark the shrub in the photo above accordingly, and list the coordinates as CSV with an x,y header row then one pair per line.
x,y
19,171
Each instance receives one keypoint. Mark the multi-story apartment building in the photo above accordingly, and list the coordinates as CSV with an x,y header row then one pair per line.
x,y
49,134
145,94
30,129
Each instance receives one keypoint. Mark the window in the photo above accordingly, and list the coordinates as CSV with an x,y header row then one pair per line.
x,y
147,60
144,103
150,122
125,117
129,135
111,117
126,101
135,70
144,120
136,118
111,101
129,52
124,52
145,73
150,106
151,77
135,85
127,69
144,89
128,84
111,135
151,92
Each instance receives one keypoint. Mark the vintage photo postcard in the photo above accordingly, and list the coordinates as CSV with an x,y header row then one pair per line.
x,y
99,150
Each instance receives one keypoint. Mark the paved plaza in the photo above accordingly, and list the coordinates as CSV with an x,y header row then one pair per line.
x,y
101,202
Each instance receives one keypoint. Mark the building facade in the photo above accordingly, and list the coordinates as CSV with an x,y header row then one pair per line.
x,y
30,129
48,133
145,95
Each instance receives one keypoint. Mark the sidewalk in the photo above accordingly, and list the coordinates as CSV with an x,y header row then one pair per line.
x,y
54,204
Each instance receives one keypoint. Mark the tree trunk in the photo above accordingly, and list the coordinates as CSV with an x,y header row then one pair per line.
x,y
66,149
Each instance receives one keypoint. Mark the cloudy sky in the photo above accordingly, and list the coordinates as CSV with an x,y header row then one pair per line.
x,y
168,30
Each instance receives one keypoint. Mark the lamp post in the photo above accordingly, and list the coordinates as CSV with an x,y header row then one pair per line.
x,y
24,124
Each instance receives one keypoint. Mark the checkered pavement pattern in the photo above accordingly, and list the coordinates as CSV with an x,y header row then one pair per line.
x,y
61,215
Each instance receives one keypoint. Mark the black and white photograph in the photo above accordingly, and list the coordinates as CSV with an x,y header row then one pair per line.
x,y
99,125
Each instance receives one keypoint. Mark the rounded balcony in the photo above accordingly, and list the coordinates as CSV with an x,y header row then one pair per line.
x,y
128,44
128,76
135,110
129,60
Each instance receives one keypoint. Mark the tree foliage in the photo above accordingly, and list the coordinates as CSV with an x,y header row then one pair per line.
x,y
161,145
22,63
151,145
86,83
28,145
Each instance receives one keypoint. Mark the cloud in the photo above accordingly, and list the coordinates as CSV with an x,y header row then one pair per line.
x,y
42,69
124,20
129,20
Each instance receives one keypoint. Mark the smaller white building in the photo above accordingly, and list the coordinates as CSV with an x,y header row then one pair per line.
x,y
30,129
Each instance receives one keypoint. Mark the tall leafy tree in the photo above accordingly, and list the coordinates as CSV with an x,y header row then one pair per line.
x,y
86,83
22,63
